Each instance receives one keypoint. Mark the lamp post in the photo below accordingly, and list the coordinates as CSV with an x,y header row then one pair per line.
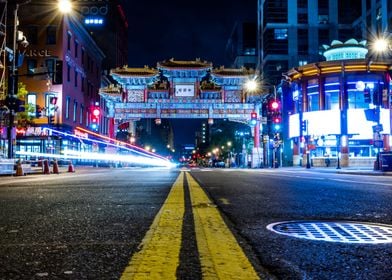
x,y
13,78
229,153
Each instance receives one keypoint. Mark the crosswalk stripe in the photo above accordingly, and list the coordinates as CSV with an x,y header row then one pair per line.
x,y
160,248
221,256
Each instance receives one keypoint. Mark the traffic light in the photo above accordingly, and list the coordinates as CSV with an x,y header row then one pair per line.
x,y
304,125
366,95
53,100
377,94
275,105
38,111
95,114
253,118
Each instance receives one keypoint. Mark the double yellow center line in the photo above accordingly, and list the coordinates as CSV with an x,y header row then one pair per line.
x,y
221,257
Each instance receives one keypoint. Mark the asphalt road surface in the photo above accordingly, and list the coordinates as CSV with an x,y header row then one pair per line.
x,y
189,224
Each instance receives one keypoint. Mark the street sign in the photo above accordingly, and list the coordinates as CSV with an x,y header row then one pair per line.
x,y
378,144
377,128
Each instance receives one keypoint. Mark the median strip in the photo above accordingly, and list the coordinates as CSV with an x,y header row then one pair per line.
x,y
160,248
221,256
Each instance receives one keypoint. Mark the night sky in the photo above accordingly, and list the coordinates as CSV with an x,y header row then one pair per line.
x,y
184,30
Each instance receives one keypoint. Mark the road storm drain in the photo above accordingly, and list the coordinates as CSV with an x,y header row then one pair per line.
x,y
338,231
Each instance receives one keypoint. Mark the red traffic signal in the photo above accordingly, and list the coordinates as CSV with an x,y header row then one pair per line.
x,y
253,118
275,105
277,119
96,112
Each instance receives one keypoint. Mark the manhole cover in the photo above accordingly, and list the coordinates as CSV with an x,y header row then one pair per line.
x,y
347,232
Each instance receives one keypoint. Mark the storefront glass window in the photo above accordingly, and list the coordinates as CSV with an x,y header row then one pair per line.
x,y
313,95
331,89
32,101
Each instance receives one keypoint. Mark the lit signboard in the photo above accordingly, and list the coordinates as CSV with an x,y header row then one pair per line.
x,y
360,128
294,125
185,90
328,123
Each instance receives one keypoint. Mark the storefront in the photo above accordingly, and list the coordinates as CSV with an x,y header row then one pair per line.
x,y
339,109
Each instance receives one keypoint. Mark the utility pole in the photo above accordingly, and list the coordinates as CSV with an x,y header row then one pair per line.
x,y
13,79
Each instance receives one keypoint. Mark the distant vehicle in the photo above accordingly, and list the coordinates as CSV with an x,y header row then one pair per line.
x,y
219,164
192,164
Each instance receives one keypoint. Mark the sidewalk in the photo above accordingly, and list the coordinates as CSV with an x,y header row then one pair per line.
x,y
347,170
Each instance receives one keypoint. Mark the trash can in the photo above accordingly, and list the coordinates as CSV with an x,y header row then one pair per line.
x,y
386,161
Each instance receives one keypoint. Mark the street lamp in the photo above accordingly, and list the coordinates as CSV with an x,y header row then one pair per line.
x,y
381,45
13,78
229,154
65,6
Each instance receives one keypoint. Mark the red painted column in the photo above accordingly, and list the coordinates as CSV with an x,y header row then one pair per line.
x,y
386,138
257,134
111,128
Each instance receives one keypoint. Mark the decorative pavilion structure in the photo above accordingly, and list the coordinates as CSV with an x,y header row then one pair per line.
x,y
178,89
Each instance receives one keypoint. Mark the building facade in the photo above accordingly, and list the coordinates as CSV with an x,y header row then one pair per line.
x,y
291,32
339,110
241,46
62,74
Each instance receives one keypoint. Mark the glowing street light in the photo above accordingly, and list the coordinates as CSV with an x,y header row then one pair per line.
x,y
251,85
380,45
65,6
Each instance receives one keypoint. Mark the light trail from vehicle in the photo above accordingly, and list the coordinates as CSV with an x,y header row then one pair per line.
x,y
125,152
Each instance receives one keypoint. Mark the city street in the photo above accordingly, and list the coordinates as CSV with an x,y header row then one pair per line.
x,y
108,223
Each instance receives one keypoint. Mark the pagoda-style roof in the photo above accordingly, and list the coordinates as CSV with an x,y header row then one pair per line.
x,y
184,64
112,92
111,89
233,72
125,71
337,66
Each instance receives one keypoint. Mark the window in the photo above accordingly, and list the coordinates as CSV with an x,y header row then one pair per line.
x,y
303,46
76,44
332,89
82,56
31,64
32,101
75,108
50,35
32,34
76,78
302,18
67,101
51,108
82,84
280,33
313,95
69,41
68,72
49,63
81,114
